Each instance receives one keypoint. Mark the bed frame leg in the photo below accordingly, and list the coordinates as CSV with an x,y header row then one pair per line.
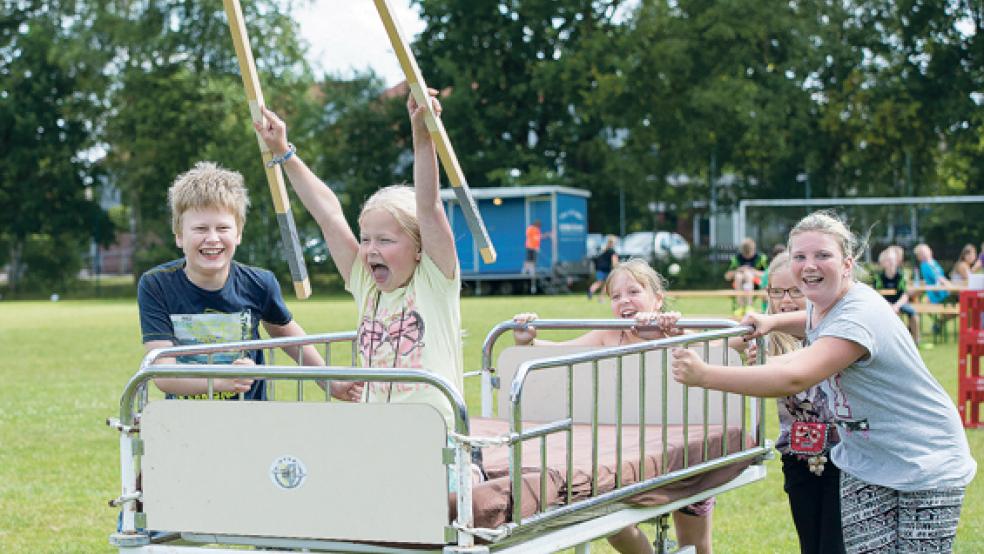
x,y
583,548
662,543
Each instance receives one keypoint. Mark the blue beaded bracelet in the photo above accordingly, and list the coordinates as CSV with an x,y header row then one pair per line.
x,y
279,160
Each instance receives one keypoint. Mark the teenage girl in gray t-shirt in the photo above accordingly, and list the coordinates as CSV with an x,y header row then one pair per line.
x,y
903,455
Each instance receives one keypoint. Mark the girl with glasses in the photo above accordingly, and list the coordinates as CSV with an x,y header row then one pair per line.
x,y
806,434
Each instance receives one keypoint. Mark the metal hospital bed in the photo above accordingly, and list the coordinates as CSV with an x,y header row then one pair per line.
x,y
570,457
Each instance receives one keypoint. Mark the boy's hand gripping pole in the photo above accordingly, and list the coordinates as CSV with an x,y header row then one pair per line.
x,y
444,150
281,202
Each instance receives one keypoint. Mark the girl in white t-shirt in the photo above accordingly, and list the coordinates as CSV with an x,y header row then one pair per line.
x,y
402,269
903,455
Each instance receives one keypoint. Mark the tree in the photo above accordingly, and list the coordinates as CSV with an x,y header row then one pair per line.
x,y
51,87
520,75
179,99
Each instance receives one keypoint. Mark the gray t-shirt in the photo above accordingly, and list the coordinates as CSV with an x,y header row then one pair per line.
x,y
898,427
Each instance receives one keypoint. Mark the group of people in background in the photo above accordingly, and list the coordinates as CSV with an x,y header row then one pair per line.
x,y
748,270
895,461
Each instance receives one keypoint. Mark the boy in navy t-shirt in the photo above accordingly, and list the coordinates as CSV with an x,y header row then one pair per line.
x,y
207,297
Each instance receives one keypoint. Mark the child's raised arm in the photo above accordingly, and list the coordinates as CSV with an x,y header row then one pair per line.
x,y
319,200
436,238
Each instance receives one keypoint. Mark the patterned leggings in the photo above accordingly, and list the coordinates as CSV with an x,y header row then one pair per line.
x,y
883,520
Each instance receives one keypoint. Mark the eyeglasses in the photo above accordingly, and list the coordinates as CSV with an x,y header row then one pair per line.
x,y
778,293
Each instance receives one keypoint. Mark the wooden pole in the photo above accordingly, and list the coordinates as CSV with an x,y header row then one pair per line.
x,y
444,150
275,178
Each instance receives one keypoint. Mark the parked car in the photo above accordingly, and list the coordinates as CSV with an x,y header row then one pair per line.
x,y
658,245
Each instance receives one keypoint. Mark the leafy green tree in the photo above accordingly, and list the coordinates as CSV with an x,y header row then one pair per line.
x,y
179,99
50,87
520,75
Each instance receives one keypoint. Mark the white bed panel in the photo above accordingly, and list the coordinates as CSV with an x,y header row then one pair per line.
x,y
370,471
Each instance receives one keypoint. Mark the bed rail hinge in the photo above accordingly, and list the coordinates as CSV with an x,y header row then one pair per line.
x,y
448,456
140,520
120,500
115,424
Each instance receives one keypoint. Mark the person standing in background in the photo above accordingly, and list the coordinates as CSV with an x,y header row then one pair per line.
x,y
533,237
603,264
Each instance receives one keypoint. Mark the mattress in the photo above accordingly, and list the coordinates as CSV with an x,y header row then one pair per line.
x,y
492,499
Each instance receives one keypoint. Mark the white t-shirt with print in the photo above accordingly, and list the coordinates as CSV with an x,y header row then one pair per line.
x,y
417,326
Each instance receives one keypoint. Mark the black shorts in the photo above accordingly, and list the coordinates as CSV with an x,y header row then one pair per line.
x,y
531,255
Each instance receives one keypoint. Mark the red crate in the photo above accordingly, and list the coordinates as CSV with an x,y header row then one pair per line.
x,y
970,384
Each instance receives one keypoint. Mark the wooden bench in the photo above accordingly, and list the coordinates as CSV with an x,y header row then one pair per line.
x,y
716,293
940,314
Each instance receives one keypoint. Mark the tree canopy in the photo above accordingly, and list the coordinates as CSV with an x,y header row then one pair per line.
x,y
653,100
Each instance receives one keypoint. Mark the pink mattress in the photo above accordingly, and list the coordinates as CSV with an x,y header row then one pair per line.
x,y
492,500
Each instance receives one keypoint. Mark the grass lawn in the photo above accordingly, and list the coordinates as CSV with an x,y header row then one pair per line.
x,y
65,364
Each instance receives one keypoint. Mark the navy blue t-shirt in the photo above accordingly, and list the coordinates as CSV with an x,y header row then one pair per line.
x,y
172,308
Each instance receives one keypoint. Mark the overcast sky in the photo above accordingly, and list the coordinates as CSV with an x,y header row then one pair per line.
x,y
347,36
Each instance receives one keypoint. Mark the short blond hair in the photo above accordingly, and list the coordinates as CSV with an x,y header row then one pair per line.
x,y
400,201
205,186
642,272
890,252
747,247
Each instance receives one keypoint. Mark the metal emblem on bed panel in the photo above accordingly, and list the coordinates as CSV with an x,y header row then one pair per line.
x,y
288,472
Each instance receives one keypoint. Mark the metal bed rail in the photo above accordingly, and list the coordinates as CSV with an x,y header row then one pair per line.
x,y
269,346
134,399
720,329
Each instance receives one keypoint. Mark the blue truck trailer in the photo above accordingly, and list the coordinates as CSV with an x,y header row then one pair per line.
x,y
507,212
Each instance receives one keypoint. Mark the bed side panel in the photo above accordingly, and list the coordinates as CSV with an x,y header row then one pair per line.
x,y
280,469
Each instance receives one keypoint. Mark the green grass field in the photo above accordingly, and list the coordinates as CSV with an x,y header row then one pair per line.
x,y
64,365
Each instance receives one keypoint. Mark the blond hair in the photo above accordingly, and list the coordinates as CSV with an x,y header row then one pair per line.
x,y
828,223
400,201
207,186
747,247
641,271
890,252
780,343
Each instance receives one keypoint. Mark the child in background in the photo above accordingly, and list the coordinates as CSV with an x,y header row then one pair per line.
x,y
603,264
891,277
960,274
208,297
402,271
903,453
636,292
745,273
